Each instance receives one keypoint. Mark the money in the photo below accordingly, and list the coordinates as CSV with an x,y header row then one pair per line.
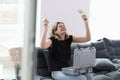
x,y
44,19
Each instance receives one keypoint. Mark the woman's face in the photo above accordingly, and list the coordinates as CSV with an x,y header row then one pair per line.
x,y
61,29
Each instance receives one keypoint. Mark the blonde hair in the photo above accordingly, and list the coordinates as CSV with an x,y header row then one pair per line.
x,y
54,28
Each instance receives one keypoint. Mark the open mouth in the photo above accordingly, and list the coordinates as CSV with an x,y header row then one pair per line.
x,y
63,29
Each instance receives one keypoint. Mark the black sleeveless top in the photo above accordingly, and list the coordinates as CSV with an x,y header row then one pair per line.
x,y
60,53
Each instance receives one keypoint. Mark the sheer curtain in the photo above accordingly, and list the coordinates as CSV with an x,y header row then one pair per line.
x,y
104,19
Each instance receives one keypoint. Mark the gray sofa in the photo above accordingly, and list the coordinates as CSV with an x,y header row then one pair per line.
x,y
107,60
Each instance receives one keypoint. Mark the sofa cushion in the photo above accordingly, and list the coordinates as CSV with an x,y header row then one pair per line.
x,y
103,64
102,54
116,63
101,51
115,75
117,66
100,72
113,47
102,77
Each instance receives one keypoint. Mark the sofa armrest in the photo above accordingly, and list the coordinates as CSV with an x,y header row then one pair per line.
x,y
43,62
47,58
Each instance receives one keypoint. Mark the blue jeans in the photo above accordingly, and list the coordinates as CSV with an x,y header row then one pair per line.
x,y
58,75
89,76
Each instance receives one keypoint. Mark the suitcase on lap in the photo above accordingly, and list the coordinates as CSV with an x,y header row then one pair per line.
x,y
83,61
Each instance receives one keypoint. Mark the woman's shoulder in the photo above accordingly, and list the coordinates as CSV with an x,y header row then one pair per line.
x,y
52,38
69,37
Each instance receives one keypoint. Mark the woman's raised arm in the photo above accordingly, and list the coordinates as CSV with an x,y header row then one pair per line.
x,y
87,37
45,43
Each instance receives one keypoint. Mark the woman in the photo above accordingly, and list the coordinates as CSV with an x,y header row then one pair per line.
x,y
59,43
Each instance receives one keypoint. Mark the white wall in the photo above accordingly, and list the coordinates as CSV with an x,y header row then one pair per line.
x,y
104,20
65,11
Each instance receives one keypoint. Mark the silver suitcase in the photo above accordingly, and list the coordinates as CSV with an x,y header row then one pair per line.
x,y
83,61
84,57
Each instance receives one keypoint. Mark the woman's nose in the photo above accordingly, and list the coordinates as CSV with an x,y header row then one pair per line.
x,y
63,26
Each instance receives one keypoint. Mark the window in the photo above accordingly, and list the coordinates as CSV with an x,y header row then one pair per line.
x,y
104,19
11,23
11,36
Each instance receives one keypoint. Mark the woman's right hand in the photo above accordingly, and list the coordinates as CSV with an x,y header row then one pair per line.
x,y
45,23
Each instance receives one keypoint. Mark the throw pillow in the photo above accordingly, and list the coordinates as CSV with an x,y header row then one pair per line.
x,y
103,64
113,47
101,51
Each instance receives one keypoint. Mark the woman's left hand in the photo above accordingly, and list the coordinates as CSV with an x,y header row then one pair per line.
x,y
85,18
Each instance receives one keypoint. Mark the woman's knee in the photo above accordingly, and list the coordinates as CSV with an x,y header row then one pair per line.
x,y
61,76
82,77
